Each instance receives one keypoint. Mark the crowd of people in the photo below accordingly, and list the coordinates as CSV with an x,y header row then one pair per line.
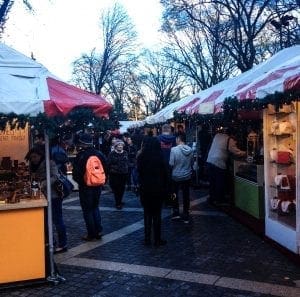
x,y
158,169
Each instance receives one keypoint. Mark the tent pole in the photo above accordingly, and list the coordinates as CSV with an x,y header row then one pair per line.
x,y
54,276
197,156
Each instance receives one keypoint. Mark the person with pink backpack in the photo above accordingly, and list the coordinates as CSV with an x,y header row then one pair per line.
x,y
88,163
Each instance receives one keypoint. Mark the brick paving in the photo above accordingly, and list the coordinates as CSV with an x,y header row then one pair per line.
x,y
212,256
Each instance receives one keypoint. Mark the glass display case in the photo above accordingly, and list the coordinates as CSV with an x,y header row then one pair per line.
x,y
281,172
249,178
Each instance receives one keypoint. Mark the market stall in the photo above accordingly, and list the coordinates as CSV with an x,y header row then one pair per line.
x,y
266,188
28,90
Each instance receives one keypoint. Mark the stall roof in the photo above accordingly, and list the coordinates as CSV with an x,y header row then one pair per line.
x,y
279,73
27,87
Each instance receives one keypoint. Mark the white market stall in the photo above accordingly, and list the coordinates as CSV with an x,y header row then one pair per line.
x,y
28,88
275,81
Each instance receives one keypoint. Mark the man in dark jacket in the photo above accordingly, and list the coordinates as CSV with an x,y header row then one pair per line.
x,y
167,141
89,196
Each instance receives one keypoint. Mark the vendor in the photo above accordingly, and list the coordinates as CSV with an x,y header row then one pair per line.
x,y
37,166
222,146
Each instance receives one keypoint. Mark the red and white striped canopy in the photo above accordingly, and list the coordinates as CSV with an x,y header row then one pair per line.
x,y
27,87
279,73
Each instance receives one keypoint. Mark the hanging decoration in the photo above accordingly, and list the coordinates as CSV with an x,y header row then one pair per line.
x,y
78,119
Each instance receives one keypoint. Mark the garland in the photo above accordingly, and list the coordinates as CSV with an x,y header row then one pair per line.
x,y
232,105
77,120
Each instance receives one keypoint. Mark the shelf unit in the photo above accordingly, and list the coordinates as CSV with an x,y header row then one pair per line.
x,y
281,175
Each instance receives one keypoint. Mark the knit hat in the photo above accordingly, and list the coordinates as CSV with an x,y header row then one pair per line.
x,y
119,141
86,139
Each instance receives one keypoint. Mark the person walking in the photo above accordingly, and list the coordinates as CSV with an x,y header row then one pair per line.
x,y
118,171
132,174
167,141
152,172
181,160
89,196
37,166
222,146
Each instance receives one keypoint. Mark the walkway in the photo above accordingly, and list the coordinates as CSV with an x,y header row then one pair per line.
x,y
212,256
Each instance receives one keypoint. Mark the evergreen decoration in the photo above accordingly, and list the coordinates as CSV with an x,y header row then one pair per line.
x,y
78,119
231,106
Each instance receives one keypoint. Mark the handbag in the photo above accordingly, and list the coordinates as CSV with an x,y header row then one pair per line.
x,y
63,186
284,157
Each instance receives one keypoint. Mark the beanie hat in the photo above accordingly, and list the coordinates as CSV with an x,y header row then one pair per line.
x,y
86,139
119,141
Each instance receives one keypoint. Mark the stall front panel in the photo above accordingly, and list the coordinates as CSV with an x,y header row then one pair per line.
x,y
281,150
22,244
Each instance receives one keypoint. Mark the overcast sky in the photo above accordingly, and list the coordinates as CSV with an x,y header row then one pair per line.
x,y
60,30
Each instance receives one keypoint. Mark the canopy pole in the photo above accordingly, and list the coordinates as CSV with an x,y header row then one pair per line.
x,y
197,156
54,276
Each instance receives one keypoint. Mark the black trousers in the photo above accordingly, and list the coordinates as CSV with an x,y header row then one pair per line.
x,y
117,183
217,183
152,218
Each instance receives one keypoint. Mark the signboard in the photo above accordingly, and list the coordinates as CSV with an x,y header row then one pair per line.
x,y
14,143
206,107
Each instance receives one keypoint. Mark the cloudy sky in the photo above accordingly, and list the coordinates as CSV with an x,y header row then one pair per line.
x,y
60,30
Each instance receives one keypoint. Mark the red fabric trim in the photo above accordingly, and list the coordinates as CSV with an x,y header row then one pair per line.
x,y
64,97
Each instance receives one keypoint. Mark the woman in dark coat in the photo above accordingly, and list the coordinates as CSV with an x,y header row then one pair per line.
x,y
152,174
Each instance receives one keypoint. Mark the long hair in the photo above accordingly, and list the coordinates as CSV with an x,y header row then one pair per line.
x,y
151,148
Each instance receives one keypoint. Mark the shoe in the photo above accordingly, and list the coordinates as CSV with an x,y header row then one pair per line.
x,y
160,243
175,216
98,236
217,203
87,238
120,206
185,218
60,250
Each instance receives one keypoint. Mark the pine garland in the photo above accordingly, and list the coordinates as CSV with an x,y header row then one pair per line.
x,y
78,119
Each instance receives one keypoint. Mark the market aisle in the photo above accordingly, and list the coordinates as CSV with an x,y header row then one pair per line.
x,y
212,256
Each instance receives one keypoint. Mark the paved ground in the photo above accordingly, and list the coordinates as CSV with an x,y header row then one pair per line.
x,y
212,256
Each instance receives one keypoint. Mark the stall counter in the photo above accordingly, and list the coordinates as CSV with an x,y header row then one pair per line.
x,y
22,245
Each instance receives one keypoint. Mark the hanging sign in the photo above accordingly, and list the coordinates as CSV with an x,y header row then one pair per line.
x,y
206,107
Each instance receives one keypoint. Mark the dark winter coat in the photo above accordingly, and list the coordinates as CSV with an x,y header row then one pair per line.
x,y
152,172
79,164
118,162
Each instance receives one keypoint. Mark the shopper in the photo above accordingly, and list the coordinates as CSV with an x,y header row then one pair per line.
x,y
132,173
222,146
118,171
37,165
181,160
89,196
167,141
152,172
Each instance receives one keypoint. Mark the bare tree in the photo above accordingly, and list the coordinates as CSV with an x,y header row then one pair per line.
x,y
93,71
243,23
5,7
162,82
197,54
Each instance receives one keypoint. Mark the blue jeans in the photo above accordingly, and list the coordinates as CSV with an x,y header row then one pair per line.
x,y
58,222
89,200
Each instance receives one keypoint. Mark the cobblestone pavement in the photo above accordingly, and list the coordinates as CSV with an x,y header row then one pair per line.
x,y
213,256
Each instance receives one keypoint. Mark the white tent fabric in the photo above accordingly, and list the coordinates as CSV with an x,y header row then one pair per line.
x,y
166,113
23,85
124,125
279,73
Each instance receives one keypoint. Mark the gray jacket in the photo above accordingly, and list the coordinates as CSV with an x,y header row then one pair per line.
x,y
181,159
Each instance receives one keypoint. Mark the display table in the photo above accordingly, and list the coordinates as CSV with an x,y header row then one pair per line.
x,y
22,244
249,188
